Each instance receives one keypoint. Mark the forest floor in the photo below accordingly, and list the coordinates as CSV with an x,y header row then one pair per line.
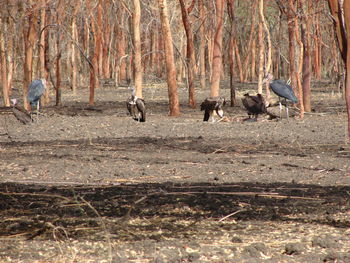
x,y
89,184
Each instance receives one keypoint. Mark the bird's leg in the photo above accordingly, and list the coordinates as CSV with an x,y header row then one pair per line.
x,y
287,109
280,105
37,111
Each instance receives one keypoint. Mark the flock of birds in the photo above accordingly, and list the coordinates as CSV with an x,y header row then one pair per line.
x,y
211,106
254,105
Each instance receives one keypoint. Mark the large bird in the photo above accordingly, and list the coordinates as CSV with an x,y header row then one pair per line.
x,y
20,113
136,107
282,90
255,105
35,91
211,105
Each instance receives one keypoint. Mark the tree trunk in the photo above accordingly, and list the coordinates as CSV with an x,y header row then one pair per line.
x,y
261,57
174,106
250,42
3,64
99,41
269,48
190,59
73,55
305,38
59,20
300,66
231,53
137,49
346,10
29,42
291,34
42,48
217,49
202,44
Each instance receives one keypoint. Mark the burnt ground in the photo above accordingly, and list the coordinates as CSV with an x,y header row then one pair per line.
x,y
89,184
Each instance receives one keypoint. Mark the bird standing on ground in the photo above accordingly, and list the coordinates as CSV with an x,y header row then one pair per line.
x,y
35,91
20,113
282,90
211,104
255,105
136,107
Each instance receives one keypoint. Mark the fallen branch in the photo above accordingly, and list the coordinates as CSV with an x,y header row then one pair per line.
x,y
225,217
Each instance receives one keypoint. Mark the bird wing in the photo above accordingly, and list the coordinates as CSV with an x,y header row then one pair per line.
x,y
140,104
36,90
206,115
22,115
282,89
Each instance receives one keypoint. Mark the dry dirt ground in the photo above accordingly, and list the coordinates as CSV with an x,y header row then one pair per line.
x,y
89,184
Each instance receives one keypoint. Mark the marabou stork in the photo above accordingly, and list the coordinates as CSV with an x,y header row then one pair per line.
x,y
255,105
282,90
136,107
36,90
211,104
20,113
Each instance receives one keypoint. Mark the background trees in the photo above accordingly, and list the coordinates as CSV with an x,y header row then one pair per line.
x,y
88,41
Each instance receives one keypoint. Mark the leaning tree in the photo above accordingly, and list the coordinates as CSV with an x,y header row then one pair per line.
x,y
340,10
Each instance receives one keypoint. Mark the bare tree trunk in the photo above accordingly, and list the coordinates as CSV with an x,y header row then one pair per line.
x,y
137,49
174,106
253,64
94,56
305,37
190,59
231,12
300,66
59,20
346,10
269,48
120,60
3,64
217,50
202,44
29,42
74,55
42,47
250,42
261,57
99,41
291,33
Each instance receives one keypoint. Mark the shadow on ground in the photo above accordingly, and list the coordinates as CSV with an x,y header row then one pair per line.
x,y
138,211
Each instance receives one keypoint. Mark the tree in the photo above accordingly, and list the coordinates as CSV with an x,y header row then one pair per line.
x,y
231,12
202,44
29,37
341,26
137,49
217,49
169,57
190,58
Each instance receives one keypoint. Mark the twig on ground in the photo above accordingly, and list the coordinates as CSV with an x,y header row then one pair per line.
x,y
236,212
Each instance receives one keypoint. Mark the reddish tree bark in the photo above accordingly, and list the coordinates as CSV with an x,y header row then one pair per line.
x,y
137,49
231,12
291,33
341,27
59,19
217,49
305,38
250,42
29,37
190,59
3,65
202,44
174,106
